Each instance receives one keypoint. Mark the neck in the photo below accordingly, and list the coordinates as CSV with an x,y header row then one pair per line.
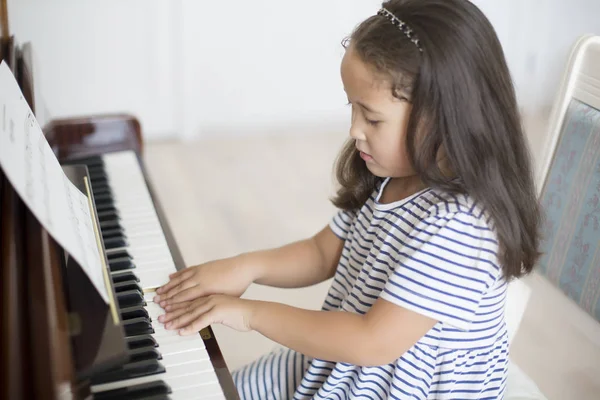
x,y
406,186
400,188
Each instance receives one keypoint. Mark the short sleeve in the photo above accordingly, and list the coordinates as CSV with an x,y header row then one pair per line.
x,y
444,267
341,223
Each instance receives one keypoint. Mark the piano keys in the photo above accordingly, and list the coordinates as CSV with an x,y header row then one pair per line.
x,y
140,260
140,254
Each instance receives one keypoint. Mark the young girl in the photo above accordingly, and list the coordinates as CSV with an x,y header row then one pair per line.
x,y
438,213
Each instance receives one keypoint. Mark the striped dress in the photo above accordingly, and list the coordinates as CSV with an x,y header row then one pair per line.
x,y
432,253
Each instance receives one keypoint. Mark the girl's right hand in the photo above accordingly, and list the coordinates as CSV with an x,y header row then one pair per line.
x,y
227,276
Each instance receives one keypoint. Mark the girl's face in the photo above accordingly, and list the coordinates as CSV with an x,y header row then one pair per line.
x,y
379,120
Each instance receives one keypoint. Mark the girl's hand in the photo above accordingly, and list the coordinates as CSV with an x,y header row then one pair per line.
x,y
191,317
228,276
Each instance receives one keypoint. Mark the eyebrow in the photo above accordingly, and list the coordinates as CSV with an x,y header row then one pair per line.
x,y
367,108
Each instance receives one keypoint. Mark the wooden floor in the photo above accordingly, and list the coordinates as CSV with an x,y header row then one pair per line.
x,y
224,196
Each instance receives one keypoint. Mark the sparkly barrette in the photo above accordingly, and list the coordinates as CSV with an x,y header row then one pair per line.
x,y
402,26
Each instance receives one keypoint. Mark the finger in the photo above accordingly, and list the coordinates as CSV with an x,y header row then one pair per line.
x,y
177,306
184,284
177,273
191,307
187,294
185,318
177,278
171,315
198,324
180,272
171,309
165,300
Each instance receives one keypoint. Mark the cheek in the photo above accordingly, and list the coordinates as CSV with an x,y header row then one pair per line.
x,y
395,154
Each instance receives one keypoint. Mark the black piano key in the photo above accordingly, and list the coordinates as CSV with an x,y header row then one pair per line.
x,y
96,168
113,243
104,202
146,391
119,254
143,354
97,172
143,397
110,224
121,264
100,180
105,207
137,327
134,312
129,371
104,199
100,186
136,342
90,161
113,233
130,298
98,177
108,216
97,191
123,276
127,285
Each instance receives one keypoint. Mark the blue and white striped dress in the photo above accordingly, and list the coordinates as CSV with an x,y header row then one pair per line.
x,y
432,253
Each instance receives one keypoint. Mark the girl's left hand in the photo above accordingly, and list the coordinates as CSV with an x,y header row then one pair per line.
x,y
190,317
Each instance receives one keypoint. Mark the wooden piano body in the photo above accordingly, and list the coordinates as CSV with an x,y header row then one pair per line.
x,y
38,332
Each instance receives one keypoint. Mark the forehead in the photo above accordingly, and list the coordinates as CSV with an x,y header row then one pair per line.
x,y
360,80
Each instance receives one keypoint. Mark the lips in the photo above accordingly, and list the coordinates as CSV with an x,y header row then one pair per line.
x,y
365,156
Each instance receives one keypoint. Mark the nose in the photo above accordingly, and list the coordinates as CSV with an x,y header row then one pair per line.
x,y
356,132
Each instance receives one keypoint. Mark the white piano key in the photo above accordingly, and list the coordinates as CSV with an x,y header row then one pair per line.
x,y
152,279
159,335
181,347
182,396
172,359
140,234
148,298
153,265
197,372
199,392
189,370
168,340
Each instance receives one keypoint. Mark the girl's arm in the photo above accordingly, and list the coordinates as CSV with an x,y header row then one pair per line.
x,y
298,264
378,337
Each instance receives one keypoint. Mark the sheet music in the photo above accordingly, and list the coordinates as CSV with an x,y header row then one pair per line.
x,y
32,168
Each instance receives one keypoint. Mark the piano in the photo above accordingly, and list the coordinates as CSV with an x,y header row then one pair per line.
x,y
58,340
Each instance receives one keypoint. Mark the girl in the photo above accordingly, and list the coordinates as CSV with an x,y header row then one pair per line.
x,y
437,214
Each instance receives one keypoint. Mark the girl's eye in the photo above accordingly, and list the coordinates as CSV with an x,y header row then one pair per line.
x,y
369,121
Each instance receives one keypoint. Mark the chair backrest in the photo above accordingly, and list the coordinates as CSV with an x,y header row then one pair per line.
x,y
570,189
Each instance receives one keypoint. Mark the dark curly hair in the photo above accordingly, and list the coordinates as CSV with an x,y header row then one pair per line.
x,y
464,105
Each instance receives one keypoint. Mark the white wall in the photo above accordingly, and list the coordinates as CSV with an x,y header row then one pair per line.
x,y
265,65
193,69
101,56
537,36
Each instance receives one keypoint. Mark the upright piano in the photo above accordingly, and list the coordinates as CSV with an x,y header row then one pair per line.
x,y
58,340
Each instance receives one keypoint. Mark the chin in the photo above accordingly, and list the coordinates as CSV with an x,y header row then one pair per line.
x,y
377,171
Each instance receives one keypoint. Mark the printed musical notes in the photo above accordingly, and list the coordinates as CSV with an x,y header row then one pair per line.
x,y
33,170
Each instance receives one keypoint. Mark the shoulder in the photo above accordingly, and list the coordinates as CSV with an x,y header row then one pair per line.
x,y
434,210
444,255
455,226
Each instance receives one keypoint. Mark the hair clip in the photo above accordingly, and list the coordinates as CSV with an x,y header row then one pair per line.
x,y
410,34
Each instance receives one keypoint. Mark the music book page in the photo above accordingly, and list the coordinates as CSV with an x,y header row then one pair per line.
x,y
33,170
